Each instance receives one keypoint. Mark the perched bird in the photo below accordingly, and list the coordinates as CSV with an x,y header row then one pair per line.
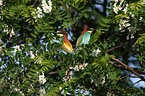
x,y
84,37
66,45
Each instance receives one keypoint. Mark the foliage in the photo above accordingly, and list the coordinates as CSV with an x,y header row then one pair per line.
x,y
32,65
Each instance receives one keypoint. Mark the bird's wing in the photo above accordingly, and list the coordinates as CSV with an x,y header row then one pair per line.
x,y
86,38
79,40
67,47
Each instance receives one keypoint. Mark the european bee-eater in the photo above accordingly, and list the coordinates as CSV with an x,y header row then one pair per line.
x,y
66,45
84,37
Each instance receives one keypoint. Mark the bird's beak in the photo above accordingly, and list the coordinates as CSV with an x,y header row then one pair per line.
x,y
60,35
90,31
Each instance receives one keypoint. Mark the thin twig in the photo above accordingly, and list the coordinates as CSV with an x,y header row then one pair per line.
x,y
53,72
141,60
126,76
34,3
134,83
116,47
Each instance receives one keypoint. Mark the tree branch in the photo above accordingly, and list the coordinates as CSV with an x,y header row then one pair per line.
x,y
116,47
126,76
51,73
96,9
121,67
104,7
129,68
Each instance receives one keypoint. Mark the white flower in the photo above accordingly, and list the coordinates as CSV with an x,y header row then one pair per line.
x,y
47,8
81,67
6,30
60,88
39,12
70,73
128,24
17,48
85,64
117,8
132,37
76,68
95,52
42,78
12,33
1,2
98,50
22,44
16,89
23,94
62,92
121,2
143,2
140,18
132,15
125,9
116,1
70,67
42,92
124,24
32,55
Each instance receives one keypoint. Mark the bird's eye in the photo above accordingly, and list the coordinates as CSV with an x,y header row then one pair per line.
x,y
58,32
91,28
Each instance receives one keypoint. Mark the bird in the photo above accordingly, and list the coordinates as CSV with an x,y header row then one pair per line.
x,y
66,45
84,37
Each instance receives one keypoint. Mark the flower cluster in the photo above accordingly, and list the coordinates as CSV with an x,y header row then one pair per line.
x,y
117,8
45,7
32,56
14,88
17,48
11,31
124,24
95,52
42,92
1,2
39,12
68,74
42,78
79,67
121,5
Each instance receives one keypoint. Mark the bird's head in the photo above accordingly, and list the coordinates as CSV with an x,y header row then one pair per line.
x,y
88,29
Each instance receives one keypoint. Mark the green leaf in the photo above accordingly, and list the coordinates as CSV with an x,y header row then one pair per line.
x,y
114,82
86,15
9,53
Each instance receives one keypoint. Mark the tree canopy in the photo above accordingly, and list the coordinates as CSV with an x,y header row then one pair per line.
x,y
32,64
